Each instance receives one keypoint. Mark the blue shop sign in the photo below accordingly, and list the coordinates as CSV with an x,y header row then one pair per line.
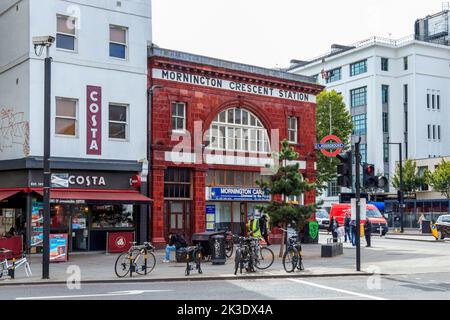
x,y
239,194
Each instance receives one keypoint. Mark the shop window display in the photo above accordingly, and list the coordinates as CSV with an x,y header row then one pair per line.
x,y
112,216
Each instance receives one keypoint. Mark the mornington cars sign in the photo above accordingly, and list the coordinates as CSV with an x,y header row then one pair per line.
x,y
206,81
94,121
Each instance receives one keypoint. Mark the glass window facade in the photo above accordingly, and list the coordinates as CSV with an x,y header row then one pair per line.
x,y
118,42
384,94
385,122
386,153
358,97
65,33
358,68
334,75
118,121
177,183
178,116
363,151
237,130
384,64
359,124
292,129
66,117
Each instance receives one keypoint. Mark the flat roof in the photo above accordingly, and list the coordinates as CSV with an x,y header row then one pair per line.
x,y
199,59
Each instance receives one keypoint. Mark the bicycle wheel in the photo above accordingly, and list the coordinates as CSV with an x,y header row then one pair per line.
x,y
123,264
290,260
229,246
139,262
237,261
264,259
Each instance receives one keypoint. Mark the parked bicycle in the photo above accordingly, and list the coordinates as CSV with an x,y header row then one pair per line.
x,y
229,242
7,269
250,255
292,258
194,254
139,259
245,256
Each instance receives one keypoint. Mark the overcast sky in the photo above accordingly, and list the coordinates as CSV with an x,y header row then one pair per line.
x,y
270,33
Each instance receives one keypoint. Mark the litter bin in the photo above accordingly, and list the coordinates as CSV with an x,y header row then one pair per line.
x,y
204,239
426,227
217,245
181,255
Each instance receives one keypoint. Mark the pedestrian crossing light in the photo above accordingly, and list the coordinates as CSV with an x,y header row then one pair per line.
x,y
344,170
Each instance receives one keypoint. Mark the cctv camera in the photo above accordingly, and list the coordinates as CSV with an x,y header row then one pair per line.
x,y
45,41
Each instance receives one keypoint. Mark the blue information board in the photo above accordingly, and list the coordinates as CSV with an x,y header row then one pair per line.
x,y
238,194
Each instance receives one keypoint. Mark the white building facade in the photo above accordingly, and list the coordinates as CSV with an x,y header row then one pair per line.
x,y
98,101
396,90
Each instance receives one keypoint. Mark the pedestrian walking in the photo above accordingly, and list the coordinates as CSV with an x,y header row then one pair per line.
x,y
264,227
353,232
176,242
347,227
420,221
334,225
368,232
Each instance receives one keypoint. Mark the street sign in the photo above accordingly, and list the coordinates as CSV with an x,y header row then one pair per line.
x,y
363,207
330,143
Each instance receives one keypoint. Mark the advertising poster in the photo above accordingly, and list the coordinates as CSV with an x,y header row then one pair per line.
x,y
210,217
58,247
37,219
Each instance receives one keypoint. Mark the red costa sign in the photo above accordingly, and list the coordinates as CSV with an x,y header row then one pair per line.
x,y
118,242
94,120
136,181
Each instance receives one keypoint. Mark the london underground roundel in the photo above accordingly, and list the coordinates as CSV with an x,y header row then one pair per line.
x,y
329,143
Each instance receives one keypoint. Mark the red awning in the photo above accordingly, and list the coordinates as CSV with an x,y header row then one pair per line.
x,y
5,194
124,196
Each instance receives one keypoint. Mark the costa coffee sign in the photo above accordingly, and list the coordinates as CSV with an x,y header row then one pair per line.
x,y
94,121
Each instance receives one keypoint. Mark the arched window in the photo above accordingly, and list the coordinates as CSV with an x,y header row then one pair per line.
x,y
237,129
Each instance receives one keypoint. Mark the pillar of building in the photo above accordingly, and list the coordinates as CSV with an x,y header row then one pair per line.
x,y
157,218
199,200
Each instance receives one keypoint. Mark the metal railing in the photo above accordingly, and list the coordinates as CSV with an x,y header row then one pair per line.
x,y
394,43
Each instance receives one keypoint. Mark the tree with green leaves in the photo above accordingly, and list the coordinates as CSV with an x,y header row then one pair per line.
x,y
287,182
439,180
411,179
341,126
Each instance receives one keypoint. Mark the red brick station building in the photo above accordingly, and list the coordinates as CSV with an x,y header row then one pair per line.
x,y
213,127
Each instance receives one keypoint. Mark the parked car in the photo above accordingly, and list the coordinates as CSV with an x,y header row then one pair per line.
x,y
443,227
378,221
323,218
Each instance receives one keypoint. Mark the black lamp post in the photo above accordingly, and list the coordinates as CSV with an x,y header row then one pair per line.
x,y
400,194
41,43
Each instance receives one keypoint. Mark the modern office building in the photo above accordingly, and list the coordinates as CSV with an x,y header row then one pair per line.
x,y
396,90
98,118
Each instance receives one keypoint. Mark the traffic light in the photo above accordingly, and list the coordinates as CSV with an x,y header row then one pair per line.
x,y
369,179
344,170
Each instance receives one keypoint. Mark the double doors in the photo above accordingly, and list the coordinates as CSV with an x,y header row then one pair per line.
x,y
178,218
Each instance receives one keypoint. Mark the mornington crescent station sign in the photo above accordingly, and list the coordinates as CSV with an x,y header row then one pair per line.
x,y
232,85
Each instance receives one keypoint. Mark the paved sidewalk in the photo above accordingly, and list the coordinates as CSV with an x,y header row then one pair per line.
x,y
99,267
386,256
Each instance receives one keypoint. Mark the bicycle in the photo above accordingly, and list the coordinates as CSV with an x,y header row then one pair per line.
x,y
292,258
264,257
10,269
229,242
194,254
139,259
245,256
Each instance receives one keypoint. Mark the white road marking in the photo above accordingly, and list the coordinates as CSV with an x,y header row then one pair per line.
x,y
110,294
361,295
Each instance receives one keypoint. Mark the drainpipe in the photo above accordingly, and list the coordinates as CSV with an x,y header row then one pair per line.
x,y
149,150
